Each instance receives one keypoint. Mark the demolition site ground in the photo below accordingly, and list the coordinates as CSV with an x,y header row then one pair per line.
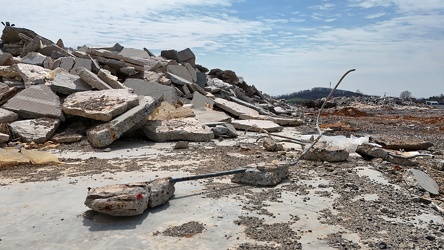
x,y
356,204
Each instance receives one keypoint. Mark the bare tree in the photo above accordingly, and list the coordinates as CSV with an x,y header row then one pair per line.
x,y
405,94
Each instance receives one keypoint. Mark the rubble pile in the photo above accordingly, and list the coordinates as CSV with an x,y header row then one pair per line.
x,y
387,102
51,92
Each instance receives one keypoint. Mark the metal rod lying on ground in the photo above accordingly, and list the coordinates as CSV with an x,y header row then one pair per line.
x,y
202,176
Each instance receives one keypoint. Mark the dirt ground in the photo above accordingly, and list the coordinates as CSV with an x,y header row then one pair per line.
x,y
389,221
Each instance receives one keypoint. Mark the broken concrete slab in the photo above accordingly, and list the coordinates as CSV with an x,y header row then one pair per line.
x,y
92,79
200,101
287,121
177,79
105,134
81,63
130,52
262,174
67,83
154,89
100,105
7,116
35,102
180,71
324,152
177,129
34,58
8,94
201,79
256,125
67,136
110,79
120,199
235,109
170,54
35,130
207,115
33,74
192,72
371,151
408,144
161,191
64,62
415,177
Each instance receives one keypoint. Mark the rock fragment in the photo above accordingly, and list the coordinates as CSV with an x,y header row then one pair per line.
x,y
35,130
66,83
177,129
262,174
326,153
92,79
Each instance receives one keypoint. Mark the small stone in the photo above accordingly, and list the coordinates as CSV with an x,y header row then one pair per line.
x,y
430,237
181,145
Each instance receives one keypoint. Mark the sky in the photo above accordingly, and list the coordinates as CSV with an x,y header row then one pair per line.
x,y
280,46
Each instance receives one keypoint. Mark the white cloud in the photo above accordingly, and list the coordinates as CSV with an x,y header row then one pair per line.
x,y
376,15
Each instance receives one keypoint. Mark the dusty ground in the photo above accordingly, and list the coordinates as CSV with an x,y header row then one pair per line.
x,y
384,216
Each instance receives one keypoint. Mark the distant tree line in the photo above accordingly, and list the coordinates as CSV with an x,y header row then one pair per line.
x,y
316,93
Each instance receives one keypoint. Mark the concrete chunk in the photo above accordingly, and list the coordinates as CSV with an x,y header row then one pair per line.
x,y
92,79
104,135
192,72
161,191
206,115
322,152
180,71
187,55
66,83
34,58
130,52
145,88
200,101
100,105
81,63
120,199
35,102
63,62
33,74
6,59
256,125
110,79
35,130
177,129
262,174
235,109
7,116
4,138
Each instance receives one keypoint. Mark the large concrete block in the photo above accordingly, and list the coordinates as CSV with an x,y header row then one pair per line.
x,y
177,129
64,62
145,88
100,105
235,109
328,153
35,130
35,102
120,199
81,63
66,83
104,135
187,55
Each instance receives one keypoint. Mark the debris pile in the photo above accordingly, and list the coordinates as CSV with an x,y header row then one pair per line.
x,y
49,92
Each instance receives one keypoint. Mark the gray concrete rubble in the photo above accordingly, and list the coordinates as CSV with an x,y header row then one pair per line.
x,y
185,129
161,191
402,143
100,105
263,174
77,77
7,116
271,145
417,178
92,79
34,130
372,151
36,102
66,83
105,134
324,152
256,125
159,91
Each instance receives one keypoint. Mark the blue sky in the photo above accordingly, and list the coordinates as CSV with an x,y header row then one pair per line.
x,y
280,46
